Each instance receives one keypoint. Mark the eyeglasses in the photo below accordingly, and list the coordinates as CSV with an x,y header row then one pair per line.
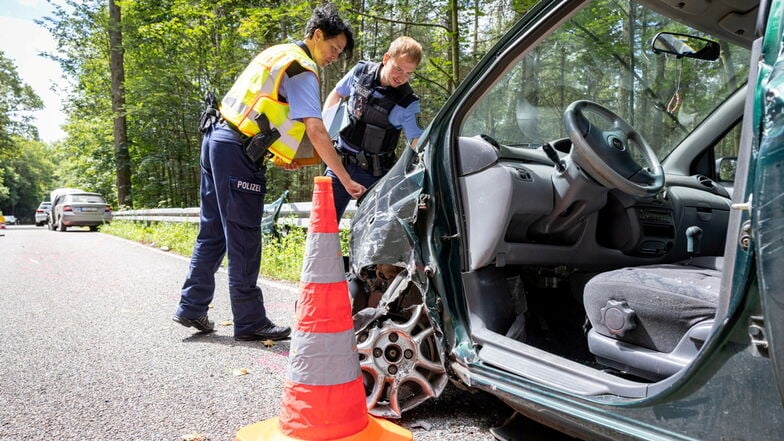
x,y
398,71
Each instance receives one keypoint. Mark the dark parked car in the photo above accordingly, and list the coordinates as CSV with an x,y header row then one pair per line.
x,y
79,209
591,228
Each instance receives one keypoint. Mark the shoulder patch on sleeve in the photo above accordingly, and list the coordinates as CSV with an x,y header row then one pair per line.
x,y
294,69
407,100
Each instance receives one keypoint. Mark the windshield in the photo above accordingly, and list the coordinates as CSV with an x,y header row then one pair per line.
x,y
86,199
604,54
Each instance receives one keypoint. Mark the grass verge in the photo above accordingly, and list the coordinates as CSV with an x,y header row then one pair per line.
x,y
281,258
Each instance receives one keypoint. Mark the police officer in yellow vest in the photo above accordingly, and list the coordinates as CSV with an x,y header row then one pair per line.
x,y
271,107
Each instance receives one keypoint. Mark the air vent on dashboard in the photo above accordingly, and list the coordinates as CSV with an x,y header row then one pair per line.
x,y
705,181
525,175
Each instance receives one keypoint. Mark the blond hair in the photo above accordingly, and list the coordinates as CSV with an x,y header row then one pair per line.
x,y
406,47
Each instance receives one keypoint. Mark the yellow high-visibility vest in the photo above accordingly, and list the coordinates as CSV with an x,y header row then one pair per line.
x,y
256,92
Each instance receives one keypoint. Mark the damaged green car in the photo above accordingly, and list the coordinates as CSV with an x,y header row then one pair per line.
x,y
592,228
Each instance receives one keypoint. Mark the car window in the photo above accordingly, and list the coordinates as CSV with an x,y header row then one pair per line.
x,y
86,199
603,55
725,153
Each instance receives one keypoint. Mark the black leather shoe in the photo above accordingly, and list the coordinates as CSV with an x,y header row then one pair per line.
x,y
203,324
270,331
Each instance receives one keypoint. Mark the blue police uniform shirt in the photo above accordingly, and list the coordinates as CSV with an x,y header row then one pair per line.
x,y
400,117
303,95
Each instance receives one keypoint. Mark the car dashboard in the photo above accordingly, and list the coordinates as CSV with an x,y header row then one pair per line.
x,y
507,193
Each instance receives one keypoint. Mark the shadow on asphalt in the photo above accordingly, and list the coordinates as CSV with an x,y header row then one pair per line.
x,y
46,228
228,340
25,227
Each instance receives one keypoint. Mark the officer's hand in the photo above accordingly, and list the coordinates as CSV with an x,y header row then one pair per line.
x,y
355,189
294,165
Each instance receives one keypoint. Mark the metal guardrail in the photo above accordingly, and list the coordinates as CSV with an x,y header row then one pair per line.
x,y
294,213
159,215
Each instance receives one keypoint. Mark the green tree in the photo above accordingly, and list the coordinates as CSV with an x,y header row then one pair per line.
x,y
122,158
174,51
17,101
86,157
28,177
24,169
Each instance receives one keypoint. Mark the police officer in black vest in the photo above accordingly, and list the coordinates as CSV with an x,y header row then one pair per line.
x,y
380,105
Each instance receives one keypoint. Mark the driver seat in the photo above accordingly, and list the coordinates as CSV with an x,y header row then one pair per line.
x,y
651,321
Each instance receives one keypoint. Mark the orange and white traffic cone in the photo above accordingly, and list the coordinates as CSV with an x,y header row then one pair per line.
x,y
324,396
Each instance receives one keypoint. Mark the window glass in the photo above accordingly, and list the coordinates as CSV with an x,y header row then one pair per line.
x,y
726,154
603,54
87,199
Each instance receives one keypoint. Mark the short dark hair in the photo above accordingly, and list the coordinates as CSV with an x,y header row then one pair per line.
x,y
327,19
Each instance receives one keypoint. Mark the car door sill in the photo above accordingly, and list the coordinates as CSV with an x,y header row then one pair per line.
x,y
543,367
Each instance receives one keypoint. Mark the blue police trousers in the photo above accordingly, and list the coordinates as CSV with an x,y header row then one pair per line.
x,y
232,202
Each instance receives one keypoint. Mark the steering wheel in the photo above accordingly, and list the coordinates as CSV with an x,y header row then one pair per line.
x,y
606,155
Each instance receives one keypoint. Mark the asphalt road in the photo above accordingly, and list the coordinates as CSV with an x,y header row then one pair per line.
x,y
89,351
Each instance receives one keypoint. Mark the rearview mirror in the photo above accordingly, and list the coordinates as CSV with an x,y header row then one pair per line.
x,y
689,46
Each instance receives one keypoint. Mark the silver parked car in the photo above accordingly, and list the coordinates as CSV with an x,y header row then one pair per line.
x,y
79,209
42,213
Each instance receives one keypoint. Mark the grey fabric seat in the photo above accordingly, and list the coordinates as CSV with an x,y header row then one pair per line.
x,y
651,320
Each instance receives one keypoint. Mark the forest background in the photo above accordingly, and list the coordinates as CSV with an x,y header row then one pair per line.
x,y
136,72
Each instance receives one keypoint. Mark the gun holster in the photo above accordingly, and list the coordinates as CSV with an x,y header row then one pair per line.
x,y
210,115
256,149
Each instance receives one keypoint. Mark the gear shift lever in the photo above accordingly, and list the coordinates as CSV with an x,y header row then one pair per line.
x,y
693,236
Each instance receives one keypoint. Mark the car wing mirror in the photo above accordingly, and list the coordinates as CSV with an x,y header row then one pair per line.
x,y
726,168
683,45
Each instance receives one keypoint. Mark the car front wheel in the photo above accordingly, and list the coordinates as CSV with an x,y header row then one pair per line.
x,y
400,361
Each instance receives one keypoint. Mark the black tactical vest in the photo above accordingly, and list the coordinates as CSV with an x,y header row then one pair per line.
x,y
369,129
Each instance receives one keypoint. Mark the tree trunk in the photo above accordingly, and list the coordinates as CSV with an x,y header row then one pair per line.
x,y
454,44
475,37
122,157
626,88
